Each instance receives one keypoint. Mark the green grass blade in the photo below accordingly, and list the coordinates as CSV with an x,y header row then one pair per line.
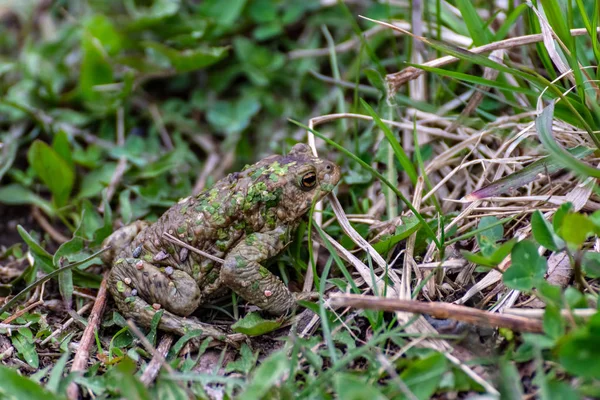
x,y
510,21
546,165
543,124
478,32
398,150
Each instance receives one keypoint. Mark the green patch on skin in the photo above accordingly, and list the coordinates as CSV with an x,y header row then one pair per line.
x,y
274,198
273,177
263,271
120,286
218,219
129,299
119,261
148,257
280,170
210,209
240,262
240,225
212,195
195,270
271,218
256,174
183,210
181,229
212,277
250,240
255,286
222,245
222,234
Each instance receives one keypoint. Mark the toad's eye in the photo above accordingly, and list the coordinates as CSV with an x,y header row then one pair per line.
x,y
309,180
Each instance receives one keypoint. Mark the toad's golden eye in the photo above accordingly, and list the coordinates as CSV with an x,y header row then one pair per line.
x,y
309,180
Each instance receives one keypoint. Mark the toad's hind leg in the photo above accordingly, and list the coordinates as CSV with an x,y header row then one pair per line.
x,y
120,239
134,284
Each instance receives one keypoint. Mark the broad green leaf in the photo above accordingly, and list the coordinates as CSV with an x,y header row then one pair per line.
x,y
576,228
355,387
182,341
224,16
409,226
259,63
123,380
559,215
510,381
554,325
61,145
16,194
169,389
560,390
591,264
23,342
245,362
34,246
94,181
158,11
544,234
190,59
254,325
487,238
55,172
375,79
57,373
8,153
65,279
17,386
231,117
271,371
95,69
103,30
424,376
579,352
493,259
527,267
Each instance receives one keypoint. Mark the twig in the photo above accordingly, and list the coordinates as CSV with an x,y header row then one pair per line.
x,y
121,165
161,126
66,324
439,310
83,351
148,346
9,326
399,78
158,360
22,311
174,240
47,226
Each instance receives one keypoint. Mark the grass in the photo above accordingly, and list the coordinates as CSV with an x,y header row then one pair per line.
x,y
468,178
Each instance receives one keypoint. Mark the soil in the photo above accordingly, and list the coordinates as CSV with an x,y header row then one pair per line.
x,y
10,217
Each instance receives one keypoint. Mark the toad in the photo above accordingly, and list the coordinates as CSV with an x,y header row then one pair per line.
x,y
237,226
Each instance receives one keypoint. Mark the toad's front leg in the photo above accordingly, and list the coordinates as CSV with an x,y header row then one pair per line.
x,y
243,273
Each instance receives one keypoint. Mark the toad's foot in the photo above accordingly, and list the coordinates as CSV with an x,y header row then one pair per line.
x,y
143,313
